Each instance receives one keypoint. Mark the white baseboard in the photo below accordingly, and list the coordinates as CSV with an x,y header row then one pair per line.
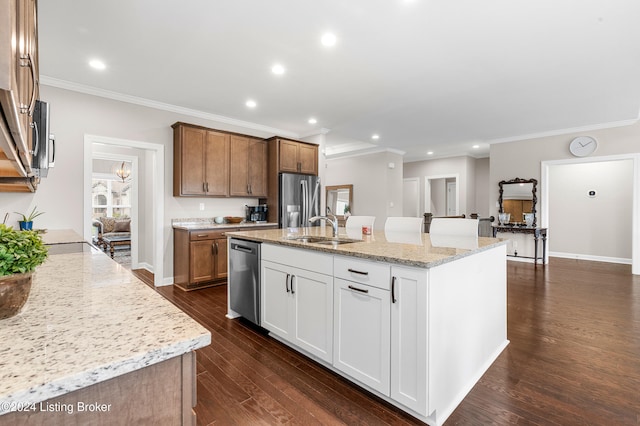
x,y
591,257
145,265
167,281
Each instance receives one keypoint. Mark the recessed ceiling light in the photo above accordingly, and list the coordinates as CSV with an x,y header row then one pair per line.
x,y
312,121
375,137
97,64
277,69
429,152
251,103
328,39
475,146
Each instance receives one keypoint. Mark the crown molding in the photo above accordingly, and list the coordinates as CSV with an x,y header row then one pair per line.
x,y
94,91
362,152
314,132
569,130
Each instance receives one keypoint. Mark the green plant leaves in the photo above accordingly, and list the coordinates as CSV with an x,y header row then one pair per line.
x,y
20,251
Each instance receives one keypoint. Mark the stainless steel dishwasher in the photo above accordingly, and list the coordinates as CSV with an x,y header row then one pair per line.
x,y
244,278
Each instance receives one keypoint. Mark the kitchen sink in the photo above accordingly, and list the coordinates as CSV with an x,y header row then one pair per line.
x,y
322,240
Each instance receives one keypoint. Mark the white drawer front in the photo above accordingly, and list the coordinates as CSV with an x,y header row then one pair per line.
x,y
300,258
371,273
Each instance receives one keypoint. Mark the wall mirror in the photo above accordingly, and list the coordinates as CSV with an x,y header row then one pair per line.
x,y
339,200
518,198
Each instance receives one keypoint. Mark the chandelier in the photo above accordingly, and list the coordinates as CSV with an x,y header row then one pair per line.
x,y
123,172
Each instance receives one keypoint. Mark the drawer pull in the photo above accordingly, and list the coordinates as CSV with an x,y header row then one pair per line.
x,y
358,289
286,281
292,290
357,272
201,235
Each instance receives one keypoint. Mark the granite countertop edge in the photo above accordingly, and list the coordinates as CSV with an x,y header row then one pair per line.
x,y
208,225
83,379
351,250
65,303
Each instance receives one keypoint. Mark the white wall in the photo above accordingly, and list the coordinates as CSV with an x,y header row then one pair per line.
x,y
73,115
586,226
377,189
472,182
482,186
524,158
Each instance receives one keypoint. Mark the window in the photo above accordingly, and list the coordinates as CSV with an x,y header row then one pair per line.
x,y
110,197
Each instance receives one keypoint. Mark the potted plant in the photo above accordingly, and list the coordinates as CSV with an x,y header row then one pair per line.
x,y
26,224
20,253
347,210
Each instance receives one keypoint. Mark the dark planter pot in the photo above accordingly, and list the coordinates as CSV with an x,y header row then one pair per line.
x,y
14,292
25,226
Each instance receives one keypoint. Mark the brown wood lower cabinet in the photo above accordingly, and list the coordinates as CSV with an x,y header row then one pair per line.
x,y
200,256
162,394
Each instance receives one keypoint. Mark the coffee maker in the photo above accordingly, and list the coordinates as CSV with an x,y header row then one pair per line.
x,y
257,214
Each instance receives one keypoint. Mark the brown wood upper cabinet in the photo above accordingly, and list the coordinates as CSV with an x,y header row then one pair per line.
x,y
248,167
19,77
200,161
297,157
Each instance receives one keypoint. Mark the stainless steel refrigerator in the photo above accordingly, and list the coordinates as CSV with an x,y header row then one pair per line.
x,y
299,200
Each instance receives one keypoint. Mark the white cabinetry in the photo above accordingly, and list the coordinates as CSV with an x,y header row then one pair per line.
x,y
362,321
409,342
297,302
361,333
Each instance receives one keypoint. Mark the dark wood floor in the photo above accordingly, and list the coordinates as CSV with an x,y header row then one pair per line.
x,y
574,359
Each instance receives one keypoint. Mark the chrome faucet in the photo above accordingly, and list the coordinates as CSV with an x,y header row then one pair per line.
x,y
333,222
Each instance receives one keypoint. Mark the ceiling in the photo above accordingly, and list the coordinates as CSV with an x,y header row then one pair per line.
x,y
424,75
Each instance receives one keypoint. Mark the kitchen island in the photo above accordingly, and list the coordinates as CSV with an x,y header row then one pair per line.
x,y
414,319
94,345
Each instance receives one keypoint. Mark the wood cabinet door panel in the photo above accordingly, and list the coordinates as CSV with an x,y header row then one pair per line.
x,y
288,156
239,178
216,158
192,176
257,173
201,264
220,258
308,159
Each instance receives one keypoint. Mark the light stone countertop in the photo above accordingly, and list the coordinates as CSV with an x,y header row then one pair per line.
x,y
87,320
419,250
61,236
208,223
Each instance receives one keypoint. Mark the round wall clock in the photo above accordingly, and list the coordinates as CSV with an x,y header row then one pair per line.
x,y
583,146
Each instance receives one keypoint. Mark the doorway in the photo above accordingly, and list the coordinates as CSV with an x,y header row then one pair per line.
x,y
117,196
153,158
435,195
632,223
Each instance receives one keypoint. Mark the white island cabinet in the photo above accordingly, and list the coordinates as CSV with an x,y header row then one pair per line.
x,y
416,323
362,321
297,301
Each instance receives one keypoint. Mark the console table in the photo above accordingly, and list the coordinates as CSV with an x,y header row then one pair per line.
x,y
537,233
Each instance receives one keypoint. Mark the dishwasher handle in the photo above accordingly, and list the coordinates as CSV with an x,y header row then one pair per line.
x,y
240,247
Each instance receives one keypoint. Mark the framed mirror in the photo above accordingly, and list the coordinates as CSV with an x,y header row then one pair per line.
x,y
339,201
518,197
